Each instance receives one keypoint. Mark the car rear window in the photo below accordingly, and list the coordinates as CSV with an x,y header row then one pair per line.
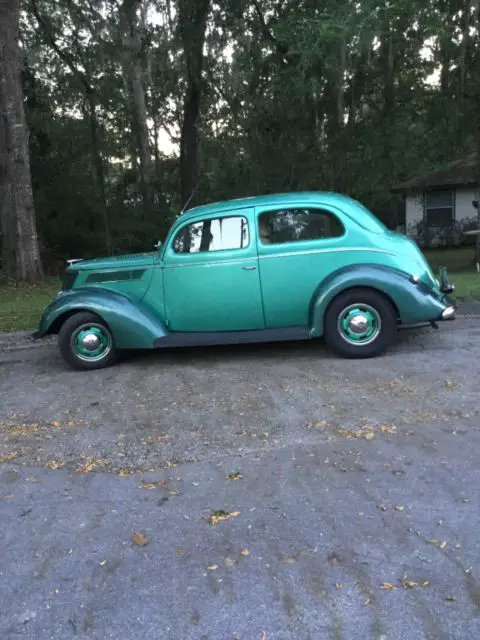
x,y
297,225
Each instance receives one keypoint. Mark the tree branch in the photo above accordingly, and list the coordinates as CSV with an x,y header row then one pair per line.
x,y
64,56
281,49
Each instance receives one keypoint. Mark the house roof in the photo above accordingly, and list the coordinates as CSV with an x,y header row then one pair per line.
x,y
462,172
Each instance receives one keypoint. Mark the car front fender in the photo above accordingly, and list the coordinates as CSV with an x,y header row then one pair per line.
x,y
132,324
414,302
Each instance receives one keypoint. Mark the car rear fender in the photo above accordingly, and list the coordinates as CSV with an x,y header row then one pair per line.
x,y
413,302
132,324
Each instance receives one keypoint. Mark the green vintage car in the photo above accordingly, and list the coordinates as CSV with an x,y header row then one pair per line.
x,y
293,266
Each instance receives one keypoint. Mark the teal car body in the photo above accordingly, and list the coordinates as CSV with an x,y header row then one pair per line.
x,y
253,269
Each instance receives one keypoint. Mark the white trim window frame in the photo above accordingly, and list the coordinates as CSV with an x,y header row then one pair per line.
x,y
439,208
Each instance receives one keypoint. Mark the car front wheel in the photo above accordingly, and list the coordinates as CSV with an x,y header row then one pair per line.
x,y
86,342
360,323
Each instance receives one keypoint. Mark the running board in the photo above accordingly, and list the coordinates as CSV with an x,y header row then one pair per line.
x,y
210,338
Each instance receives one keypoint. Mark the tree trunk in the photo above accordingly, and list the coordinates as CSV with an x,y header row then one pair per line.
x,y
134,74
98,172
388,119
192,23
20,248
336,124
476,103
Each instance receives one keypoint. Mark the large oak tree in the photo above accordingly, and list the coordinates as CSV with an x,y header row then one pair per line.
x,y
20,247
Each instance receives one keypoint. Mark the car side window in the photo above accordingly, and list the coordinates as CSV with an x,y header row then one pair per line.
x,y
217,234
297,225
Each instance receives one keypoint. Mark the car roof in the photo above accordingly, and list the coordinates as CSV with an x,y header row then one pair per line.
x,y
294,197
353,208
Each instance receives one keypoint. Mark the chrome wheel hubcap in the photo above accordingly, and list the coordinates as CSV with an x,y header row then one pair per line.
x,y
359,324
91,342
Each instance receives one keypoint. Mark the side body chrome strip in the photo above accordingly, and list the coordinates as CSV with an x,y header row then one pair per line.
x,y
270,256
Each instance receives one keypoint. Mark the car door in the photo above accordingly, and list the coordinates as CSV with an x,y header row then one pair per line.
x,y
211,275
298,247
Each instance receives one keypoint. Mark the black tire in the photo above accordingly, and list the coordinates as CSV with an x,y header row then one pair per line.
x,y
68,337
383,324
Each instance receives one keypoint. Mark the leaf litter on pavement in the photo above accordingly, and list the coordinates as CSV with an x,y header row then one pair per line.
x,y
220,516
139,539
235,475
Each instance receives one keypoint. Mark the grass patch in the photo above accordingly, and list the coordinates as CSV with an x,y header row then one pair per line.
x,y
467,286
461,270
22,306
462,259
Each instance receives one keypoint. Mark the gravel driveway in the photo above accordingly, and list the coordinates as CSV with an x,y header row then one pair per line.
x,y
272,492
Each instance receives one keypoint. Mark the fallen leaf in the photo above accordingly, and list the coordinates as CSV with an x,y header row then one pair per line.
x,y
388,586
175,493
288,560
9,456
221,515
123,473
388,428
366,432
53,464
382,507
399,507
408,584
22,430
443,544
91,464
213,567
148,485
139,539
229,562
55,424
235,475
425,583
338,585
451,384
171,464
245,552
366,602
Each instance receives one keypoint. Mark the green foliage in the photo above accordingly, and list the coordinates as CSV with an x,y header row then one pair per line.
x,y
297,95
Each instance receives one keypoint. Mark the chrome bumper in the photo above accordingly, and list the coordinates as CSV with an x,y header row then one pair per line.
x,y
448,313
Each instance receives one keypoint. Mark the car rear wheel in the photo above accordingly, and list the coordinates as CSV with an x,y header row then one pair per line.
x,y
360,323
86,342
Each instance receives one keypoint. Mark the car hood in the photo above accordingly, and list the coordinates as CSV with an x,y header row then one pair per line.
x,y
115,262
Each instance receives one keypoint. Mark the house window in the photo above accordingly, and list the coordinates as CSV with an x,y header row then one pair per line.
x,y
297,225
439,208
218,234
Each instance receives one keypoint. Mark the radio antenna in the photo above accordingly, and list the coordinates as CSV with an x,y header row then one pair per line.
x,y
191,196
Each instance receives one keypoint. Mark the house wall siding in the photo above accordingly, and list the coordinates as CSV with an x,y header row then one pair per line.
x,y
466,217
463,204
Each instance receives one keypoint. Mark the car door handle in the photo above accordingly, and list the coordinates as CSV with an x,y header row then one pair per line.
x,y
252,268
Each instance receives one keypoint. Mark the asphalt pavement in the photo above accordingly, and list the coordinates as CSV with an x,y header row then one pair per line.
x,y
256,492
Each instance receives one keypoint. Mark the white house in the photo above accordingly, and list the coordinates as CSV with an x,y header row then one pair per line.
x,y
442,205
